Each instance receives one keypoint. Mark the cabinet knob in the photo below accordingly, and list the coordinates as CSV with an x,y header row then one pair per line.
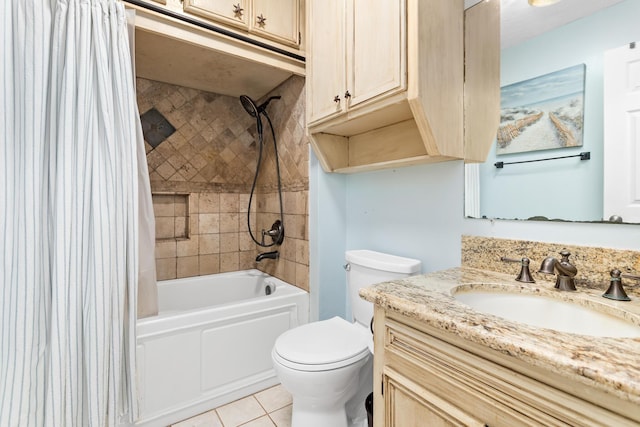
x,y
262,21
347,95
237,10
336,98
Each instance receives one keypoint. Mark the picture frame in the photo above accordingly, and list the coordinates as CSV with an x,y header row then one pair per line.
x,y
542,113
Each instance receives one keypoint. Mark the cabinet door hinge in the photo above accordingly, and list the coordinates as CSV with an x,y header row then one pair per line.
x,y
299,37
382,388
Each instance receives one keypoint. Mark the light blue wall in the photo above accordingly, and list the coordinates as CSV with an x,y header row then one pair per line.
x,y
327,231
525,190
416,212
407,212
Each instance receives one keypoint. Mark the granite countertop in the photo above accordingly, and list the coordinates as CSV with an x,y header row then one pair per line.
x,y
609,364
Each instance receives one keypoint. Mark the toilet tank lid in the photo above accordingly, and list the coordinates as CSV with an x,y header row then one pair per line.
x,y
384,262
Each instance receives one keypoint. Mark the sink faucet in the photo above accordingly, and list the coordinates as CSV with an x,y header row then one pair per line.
x,y
269,255
564,269
616,290
525,274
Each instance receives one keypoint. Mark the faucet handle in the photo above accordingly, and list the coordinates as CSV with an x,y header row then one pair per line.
x,y
630,276
525,274
565,254
616,291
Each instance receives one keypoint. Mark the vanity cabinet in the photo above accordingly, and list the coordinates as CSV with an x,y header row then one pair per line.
x,y
275,20
386,84
425,376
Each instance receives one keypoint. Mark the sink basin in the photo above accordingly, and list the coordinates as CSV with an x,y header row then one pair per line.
x,y
545,312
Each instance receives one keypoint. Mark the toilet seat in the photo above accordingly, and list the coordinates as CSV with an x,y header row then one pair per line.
x,y
322,346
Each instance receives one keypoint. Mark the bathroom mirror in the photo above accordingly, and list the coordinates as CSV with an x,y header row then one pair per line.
x,y
537,42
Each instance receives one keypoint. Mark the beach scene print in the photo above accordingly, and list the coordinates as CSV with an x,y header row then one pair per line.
x,y
542,113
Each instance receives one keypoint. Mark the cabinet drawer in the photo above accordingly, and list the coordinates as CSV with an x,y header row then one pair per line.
x,y
492,393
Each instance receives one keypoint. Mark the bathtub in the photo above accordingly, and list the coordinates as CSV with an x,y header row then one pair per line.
x,y
211,342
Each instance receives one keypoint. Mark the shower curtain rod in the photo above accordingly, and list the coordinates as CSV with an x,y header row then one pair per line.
x,y
213,28
585,155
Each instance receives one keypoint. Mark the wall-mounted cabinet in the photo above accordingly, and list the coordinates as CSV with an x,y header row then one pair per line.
x,y
274,20
352,64
217,46
227,12
277,20
481,79
385,85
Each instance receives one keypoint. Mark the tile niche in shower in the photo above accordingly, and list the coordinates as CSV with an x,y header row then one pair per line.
x,y
172,216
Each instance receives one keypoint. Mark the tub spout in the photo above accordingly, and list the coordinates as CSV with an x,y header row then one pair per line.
x,y
270,255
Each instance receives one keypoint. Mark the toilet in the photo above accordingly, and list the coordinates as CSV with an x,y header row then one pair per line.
x,y
327,366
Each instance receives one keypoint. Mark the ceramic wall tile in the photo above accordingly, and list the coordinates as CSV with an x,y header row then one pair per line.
x,y
209,161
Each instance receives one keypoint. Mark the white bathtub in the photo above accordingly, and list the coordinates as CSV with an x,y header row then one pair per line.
x,y
211,342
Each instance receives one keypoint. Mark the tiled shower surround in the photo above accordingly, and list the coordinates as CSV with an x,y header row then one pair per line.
x,y
201,177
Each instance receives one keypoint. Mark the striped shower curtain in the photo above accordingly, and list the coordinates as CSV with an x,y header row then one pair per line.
x,y
69,158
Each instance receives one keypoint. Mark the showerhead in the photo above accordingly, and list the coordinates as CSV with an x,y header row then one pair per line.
x,y
251,107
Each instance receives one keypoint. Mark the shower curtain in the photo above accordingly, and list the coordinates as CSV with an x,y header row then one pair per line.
x,y
70,158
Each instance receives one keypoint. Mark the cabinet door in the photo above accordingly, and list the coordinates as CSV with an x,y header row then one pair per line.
x,y
376,49
409,405
277,20
326,58
229,12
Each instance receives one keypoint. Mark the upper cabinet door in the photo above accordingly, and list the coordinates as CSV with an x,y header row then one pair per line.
x,y
326,84
278,20
229,12
376,40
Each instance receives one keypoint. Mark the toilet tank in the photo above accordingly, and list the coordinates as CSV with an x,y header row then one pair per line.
x,y
366,268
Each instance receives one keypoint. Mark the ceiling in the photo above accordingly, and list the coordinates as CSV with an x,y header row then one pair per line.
x,y
520,22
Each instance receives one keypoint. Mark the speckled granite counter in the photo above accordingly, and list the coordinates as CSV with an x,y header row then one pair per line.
x,y
609,364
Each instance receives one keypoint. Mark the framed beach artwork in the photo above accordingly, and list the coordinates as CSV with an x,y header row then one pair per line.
x,y
542,113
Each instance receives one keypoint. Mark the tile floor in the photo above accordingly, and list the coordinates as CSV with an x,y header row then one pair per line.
x,y
267,408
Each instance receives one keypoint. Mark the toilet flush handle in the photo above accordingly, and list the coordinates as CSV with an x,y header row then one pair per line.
x,y
347,267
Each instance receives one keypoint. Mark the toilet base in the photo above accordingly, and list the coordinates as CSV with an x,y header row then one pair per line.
x,y
310,412
308,418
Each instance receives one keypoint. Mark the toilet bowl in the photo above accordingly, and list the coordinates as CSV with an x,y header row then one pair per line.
x,y
327,366
324,365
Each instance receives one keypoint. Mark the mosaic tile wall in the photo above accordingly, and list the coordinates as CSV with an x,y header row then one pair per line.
x,y
202,151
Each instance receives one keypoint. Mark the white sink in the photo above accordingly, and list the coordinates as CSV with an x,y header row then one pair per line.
x,y
544,312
